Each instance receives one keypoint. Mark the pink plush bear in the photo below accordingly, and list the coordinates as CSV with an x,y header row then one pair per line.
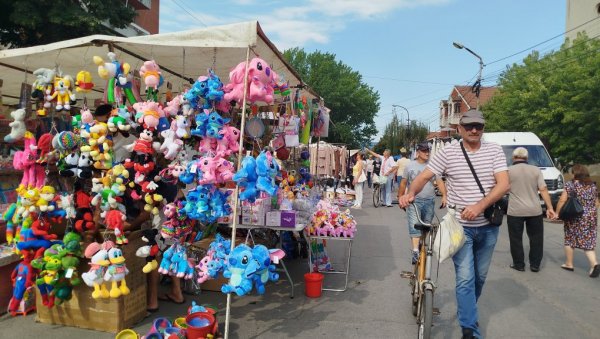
x,y
261,79
150,73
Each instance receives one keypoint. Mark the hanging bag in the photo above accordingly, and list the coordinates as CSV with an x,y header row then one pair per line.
x,y
362,177
572,208
450,236
495,213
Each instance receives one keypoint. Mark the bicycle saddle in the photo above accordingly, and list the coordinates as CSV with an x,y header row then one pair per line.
x,y
422,227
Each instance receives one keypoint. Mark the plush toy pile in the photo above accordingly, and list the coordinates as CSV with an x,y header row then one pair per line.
x,y
329,221
128,150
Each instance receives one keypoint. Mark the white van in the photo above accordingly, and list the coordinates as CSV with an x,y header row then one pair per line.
x,y
538,156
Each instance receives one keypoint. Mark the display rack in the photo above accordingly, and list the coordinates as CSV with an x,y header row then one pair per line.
x,y
346,270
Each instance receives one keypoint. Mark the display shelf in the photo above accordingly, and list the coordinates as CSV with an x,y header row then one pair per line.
x,y
345,272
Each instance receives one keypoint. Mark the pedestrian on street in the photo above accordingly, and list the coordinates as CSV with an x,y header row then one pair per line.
x,y
424,201
524,210
359,175
401,163
581,232
370,168
472,261
388,170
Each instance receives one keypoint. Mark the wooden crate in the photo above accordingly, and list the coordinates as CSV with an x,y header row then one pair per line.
x,y
108,315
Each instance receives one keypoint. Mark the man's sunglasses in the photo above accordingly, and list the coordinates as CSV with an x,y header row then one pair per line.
x,y
469,127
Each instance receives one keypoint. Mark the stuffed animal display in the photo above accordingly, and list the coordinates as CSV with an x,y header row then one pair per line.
x,y
328,220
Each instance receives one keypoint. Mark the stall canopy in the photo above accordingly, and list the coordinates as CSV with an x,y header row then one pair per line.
x,y
181,56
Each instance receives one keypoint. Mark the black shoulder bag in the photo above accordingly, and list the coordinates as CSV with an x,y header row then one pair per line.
x,y
571,209
495,213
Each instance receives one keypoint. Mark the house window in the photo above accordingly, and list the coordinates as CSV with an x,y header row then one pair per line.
x,y
457,107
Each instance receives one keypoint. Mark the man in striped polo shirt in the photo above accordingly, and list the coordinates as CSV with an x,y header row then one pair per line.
x,y
472,261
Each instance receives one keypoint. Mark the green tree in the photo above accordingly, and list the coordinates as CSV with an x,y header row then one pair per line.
x,y
397,136
556,97
36,22
353,103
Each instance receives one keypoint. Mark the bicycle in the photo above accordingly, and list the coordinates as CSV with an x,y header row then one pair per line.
x,y
422,285
377,193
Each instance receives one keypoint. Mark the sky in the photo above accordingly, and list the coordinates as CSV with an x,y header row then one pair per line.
x,y
402,48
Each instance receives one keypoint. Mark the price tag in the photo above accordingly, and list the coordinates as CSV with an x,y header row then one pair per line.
x,y
276,260
193,168
69,273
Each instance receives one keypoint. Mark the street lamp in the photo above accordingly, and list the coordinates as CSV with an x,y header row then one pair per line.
x,y
407,122
477,84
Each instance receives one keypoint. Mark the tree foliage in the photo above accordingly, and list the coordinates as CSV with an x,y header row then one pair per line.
x,y
397,136
353,103
36,22
556,97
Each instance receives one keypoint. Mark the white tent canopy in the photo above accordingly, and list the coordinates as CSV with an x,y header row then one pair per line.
x,y
181,55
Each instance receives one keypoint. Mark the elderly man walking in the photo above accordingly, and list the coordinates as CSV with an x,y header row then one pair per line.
x,y
524,210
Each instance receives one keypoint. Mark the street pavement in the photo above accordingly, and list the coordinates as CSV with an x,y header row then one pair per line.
x,y
553,303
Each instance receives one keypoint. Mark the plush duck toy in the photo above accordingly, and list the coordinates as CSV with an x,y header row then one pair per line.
x,y
116,272
95,276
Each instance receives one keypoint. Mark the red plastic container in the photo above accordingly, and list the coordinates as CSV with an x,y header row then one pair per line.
x,y
200,324
313,284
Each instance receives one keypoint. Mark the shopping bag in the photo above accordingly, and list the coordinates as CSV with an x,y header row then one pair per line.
x,y
572,208
450,236
383,179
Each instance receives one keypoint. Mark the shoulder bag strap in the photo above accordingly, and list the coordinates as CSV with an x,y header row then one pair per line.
x,y
472,169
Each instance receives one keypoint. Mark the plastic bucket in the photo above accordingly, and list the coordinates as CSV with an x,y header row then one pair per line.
x,y
127,334
200,324
174,333
180,322
313,284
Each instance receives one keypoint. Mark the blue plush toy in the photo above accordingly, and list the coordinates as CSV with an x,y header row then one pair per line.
x,y
239,270
201,124
202,204
266,271
191,173
267,169
214,92
246,177
215,125
198,90
180,264
218,203
165,263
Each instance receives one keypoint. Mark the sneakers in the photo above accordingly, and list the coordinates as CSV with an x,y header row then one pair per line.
x,y
467,333
415,257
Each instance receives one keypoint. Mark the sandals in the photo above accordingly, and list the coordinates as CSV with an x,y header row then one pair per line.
x,y
169,298
595,272
565,267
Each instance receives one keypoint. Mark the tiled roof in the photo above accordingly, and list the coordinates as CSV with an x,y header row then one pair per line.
x,y
485,95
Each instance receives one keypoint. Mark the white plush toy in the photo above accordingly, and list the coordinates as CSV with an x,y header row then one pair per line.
x,y
17,127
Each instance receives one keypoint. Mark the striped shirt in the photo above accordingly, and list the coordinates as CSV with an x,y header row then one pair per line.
x,y
461,185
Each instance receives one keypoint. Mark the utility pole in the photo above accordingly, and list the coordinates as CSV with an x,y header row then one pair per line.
x,y
407,141
477,85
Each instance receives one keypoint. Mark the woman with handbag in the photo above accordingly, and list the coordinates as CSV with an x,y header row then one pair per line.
x,y
358,173
580,228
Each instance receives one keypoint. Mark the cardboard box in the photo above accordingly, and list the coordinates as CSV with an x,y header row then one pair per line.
x,y
256,212
288,219
273,218
108,315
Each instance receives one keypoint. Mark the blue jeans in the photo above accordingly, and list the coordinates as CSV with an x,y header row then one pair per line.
x,y
387,192
425,207
471,264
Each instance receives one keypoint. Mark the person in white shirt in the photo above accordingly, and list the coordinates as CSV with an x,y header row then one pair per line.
x,y
370,168
388,169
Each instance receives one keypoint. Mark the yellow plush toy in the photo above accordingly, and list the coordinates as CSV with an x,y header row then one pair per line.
x,y
100,146
47,194
83,82
62,92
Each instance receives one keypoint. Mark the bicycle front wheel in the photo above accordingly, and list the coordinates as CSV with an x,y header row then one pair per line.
x,y
377,196
426,317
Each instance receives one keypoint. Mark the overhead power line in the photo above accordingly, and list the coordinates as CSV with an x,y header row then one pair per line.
x,y
190,13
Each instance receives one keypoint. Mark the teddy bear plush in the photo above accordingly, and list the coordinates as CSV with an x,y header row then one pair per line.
x,y
17,127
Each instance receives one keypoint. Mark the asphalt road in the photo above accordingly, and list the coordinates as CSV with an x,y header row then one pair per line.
x,y
553,303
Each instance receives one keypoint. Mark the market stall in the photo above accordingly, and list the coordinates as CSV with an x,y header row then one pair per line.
x,y
163,126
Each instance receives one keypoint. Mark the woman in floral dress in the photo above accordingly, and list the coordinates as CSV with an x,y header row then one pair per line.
x,y
581,232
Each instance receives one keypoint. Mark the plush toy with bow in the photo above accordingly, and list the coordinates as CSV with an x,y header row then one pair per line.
x,y
98,253
17,126
261,79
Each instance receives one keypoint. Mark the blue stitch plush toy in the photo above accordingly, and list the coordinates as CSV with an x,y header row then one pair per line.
x,y
239,270
267,169
246,177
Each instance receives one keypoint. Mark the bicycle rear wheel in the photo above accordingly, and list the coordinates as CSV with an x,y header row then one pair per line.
x,y
377,196
426,316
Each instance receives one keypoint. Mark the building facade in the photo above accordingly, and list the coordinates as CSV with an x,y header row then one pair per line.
x,y
579,12
146,21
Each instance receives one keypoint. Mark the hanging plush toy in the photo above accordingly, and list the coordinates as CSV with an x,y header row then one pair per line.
x,y
99,264
114,221
239,270
246,177
42,87
261,79
149,251
116,273
83,82
22,278
151,75
17,127
266,270
62,92
267,169
171,144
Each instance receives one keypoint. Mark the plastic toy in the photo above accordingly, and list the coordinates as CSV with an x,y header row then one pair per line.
x,y
116,273
17,127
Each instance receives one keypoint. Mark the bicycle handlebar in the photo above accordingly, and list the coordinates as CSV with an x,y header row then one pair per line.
x,y
419,217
